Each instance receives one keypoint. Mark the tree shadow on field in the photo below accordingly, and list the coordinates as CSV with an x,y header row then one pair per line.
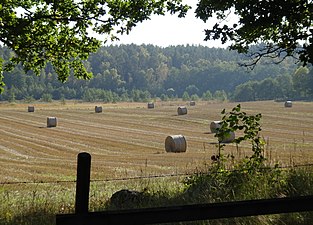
x,y
30,218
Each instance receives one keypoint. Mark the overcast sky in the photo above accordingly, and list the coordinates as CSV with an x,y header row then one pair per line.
x,y
171,30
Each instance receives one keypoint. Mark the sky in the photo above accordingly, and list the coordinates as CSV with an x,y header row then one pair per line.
x,y
170,30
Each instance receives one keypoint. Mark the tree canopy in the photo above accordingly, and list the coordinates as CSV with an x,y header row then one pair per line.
x,y
133,72
284,26
59,31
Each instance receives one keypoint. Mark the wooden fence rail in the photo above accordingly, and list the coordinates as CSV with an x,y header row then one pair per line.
x,y
172,213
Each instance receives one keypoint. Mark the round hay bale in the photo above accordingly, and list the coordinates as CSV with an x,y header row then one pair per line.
x,y
228,138
175,143
52,121
215,125
181,110
151,105
31,108
192,103
288,104
98,109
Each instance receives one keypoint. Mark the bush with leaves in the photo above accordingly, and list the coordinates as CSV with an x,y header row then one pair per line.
x,y
46,97
236,120
207,96
249,178
185,96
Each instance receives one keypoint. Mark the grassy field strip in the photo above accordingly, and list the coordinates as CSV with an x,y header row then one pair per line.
x,y
46,146
124,128
40,144
302,130
286,135
156,139
23,170
62,146
24,119
135,123
70,143
288,126
30,171
126,151
290,117
12,174
42,148
116,128
127,142
11,151
121,128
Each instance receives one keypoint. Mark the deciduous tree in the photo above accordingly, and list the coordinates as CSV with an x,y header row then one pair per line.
x,y
284,26
59,31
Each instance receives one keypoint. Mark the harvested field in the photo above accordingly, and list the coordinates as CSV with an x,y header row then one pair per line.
x,y
127,139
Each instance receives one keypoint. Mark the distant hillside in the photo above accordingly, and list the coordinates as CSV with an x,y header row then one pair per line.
x,y
139,72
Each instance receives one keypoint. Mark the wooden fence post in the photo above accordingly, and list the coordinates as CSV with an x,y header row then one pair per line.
x,y
82,183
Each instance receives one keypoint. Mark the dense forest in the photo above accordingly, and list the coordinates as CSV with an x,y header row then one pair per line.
x,y
144,72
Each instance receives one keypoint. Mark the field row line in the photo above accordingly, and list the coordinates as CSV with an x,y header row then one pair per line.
x,y
143,177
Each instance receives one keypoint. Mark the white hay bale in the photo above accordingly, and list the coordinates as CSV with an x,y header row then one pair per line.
x,y
31,108
151,105
182,110
52,121
192,103
215,125
228,137
175,143
98,109
288,104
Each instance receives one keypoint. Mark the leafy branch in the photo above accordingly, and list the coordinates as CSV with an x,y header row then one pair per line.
x,y
250,126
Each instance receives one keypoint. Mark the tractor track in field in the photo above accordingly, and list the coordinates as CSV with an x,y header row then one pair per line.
x,y
128,140
100,129
29,142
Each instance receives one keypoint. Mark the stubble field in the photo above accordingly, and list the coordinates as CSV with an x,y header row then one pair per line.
x,y
128,139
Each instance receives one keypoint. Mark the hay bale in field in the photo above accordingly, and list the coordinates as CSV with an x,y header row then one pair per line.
x,y
151,105
228,138
98,109
181,110
31,108
288,104
215,125
52,121
192,103
175,143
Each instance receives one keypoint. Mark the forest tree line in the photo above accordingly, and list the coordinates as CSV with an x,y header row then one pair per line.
x,y
143,72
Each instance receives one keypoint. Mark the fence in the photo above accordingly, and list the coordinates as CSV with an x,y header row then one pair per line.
x,y
172,213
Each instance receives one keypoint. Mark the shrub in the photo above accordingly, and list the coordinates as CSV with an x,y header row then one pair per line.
x,y
207,96
46,97
186,96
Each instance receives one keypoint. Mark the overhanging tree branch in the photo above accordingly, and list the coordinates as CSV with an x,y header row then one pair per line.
x,y
288,25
